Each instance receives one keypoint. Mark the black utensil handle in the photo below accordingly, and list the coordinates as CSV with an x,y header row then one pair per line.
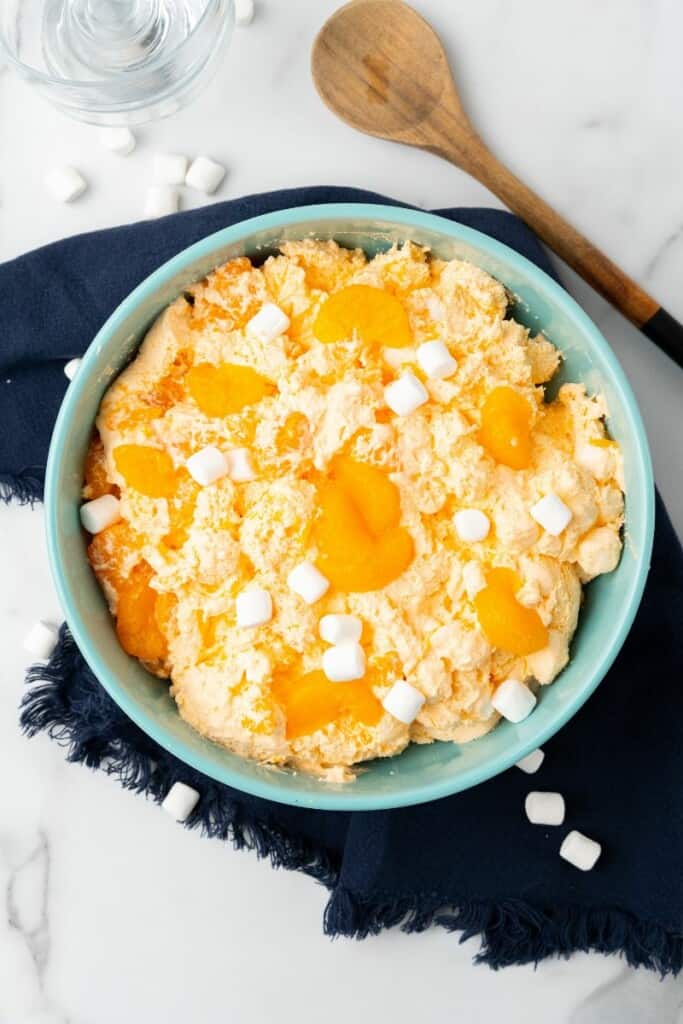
x,y
667,332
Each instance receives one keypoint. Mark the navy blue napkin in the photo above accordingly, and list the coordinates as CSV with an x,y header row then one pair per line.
x,y
471,862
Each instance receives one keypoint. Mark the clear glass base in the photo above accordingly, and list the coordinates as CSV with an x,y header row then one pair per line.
x,y
87,39
114,61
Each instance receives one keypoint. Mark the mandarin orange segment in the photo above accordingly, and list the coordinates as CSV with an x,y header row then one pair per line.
x,y
164,606
311,702
371,491
506,623
148,470
136,622
377,317
110,551
95,472
360,542
506,427
225,389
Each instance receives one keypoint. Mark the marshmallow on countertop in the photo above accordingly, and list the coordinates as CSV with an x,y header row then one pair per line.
x,y
339,629
161,200
98,514
403,701
41,640
254,607
513,700
580,851
240,467
118,139
308,582
435,360
532,762
472,525
344,662
552,514
205,175
406,394
544,808
180,801
207,466
244,12
71,368
170,168
65,183
269,323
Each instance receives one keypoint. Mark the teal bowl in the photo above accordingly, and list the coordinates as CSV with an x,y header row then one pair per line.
x,y
421,773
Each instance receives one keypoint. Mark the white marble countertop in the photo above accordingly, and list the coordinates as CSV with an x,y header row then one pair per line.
x,y
112,912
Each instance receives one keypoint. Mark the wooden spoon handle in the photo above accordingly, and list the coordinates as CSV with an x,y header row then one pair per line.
x,y
573,247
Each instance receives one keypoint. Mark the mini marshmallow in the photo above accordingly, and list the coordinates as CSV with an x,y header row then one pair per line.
x,y
308,582
100,513
254,607
170,168
473,578
435,360
71,368
403,702
513,700
118,139
180,801
41,640
240,467
161,200
544,808
207,466
205,175
597,459
269,323
65,184
339,629
344,662
532,762
406,394
552,514
244,12
472,525
580,851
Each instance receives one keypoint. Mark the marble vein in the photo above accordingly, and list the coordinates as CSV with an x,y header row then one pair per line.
x,y
663,252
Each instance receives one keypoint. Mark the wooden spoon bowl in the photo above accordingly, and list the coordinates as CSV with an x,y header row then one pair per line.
x,y
381,67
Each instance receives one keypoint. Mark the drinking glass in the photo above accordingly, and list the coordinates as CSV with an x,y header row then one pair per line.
x,y
115,61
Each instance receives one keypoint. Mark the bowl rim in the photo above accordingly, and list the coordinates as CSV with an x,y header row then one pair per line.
x,y
344,798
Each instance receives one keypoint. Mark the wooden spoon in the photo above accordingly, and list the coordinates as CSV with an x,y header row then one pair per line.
x,y
383,70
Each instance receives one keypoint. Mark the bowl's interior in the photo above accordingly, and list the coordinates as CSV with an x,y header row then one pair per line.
x,y
421,772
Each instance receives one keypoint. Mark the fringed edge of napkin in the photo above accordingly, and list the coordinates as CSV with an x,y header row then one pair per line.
x,y
25,488
511,931
142,766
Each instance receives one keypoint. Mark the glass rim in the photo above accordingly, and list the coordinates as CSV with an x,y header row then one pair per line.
x,y
68,84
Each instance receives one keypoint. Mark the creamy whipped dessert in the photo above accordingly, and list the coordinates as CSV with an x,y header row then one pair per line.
x,y
331,502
